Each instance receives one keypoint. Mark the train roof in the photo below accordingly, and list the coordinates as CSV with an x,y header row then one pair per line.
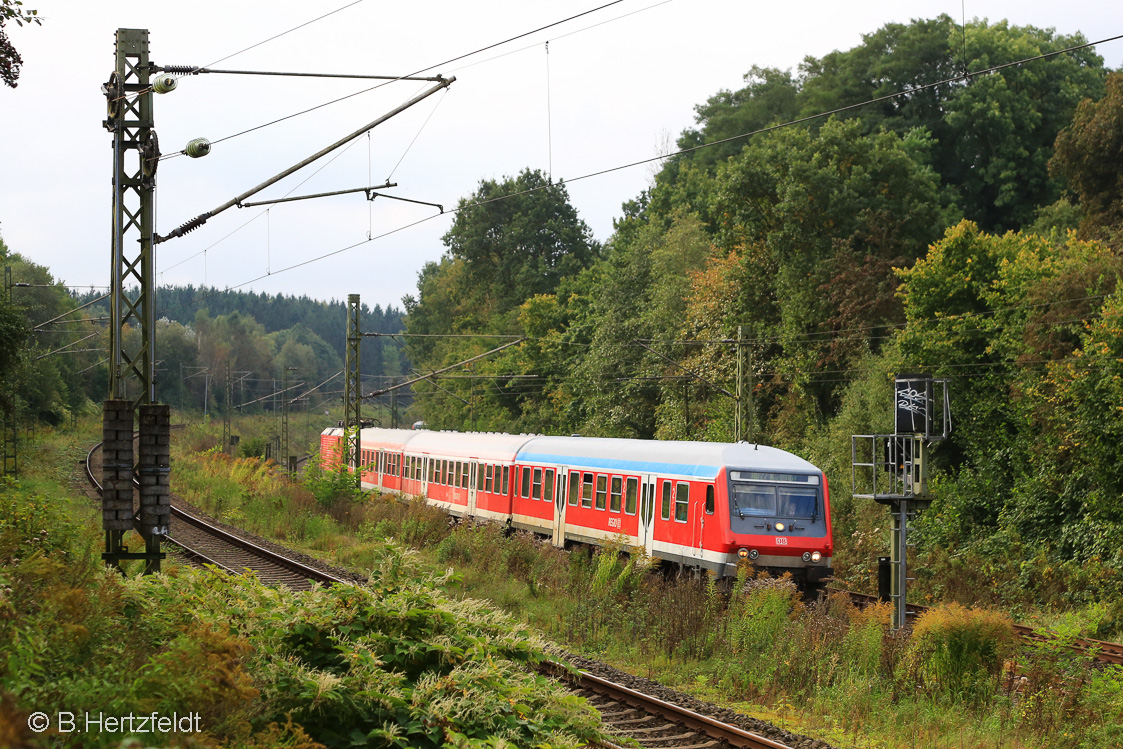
x,y
478,445
698,459
380,438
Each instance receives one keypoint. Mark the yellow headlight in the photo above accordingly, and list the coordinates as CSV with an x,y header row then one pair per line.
x,y
780,527
816,556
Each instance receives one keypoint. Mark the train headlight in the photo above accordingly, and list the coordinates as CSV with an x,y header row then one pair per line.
x,y
743,553
780,527
753,554
816,556
807,556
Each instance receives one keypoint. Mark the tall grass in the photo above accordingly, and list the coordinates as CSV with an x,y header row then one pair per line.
x,y
958,679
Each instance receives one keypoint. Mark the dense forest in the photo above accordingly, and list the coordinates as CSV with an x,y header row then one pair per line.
x,y
971,230
263,339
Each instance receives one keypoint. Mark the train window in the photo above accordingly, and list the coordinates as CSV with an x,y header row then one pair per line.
x,y
796,502
465,475
574,487
442,472
630,496
479,477
536,487
682,502
602,491
418,467
487,479
432,471
709,500
587,490
748,499
524,485
665,509
548,485
506,476
615,494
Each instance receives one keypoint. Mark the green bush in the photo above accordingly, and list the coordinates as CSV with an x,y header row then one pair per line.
x,y
959,653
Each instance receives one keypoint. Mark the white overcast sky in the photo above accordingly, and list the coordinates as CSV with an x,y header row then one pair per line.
x,y
622,83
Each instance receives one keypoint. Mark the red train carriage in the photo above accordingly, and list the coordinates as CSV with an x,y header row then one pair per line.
x,y
703,504
698,503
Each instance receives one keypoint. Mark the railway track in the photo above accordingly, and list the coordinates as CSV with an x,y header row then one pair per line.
x,y
1104,652
203,542
655,723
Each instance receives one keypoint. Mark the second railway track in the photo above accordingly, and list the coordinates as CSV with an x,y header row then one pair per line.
x,y
206,543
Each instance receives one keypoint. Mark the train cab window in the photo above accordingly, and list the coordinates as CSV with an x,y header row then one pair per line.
x,y
682,502
665,508
574,488
630,496
548,485
488,475
602,491
587,490
709,500
506,476
615,494
536,487
524,484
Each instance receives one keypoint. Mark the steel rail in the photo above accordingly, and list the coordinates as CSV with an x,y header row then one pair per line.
x,y
273,557
737,737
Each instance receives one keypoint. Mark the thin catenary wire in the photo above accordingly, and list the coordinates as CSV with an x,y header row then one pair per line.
x,y
416,72
432,112
559,36
790,123
549,121
370,181
264,211
148,90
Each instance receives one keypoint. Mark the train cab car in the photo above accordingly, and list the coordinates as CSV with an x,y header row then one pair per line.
x,y
777,507
701,504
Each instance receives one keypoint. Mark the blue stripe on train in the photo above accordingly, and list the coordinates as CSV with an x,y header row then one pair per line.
x,y
623,466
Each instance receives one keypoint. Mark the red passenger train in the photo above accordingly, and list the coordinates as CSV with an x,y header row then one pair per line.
x,y
703,504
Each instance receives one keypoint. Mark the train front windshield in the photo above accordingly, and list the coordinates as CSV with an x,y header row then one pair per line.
x,y
754,495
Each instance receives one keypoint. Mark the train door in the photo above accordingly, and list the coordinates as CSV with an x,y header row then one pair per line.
x,y
647,513
559,506
424,476
473,471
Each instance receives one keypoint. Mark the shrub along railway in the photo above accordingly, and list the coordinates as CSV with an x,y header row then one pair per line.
x,y
1104,652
